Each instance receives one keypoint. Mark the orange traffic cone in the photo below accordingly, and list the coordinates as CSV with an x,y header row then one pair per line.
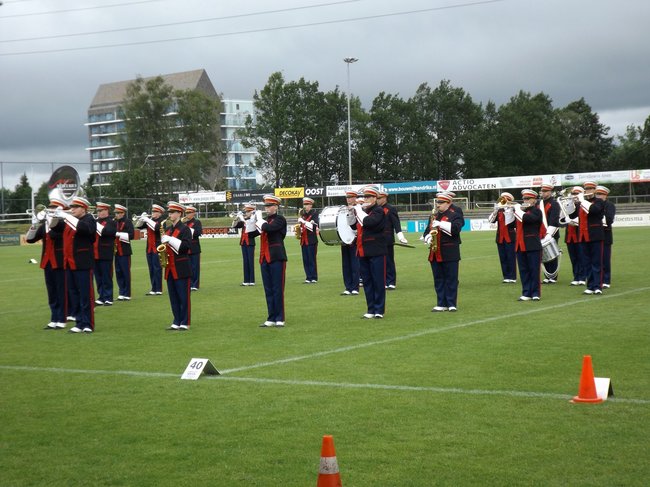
x,y
328,472
587,390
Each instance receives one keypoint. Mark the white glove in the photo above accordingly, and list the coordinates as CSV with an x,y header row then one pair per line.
x,y
123,236
445,227
165,239
301,220
174,243
240,216
580,197
59,213
360,213
250,225
402,238
548,237
422,238
435,223
574,222
252,217
309,225
427,239
551,230
35,219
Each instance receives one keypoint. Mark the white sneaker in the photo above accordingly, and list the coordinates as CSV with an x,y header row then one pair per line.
x,y
99,302
452,308
437,309
346,293
391,286
173,326
368,316
354,293
606,286
524,298
314,281
59,326
150,293
251,283
306,281
574,283
71,318
379,316
587,291
552,281
545,281
75,329
126,298
535,298
183,327
158,292
88,330
506,281
598,291
194,289
120,298
267,324
50,326
582,283
108,303
279,324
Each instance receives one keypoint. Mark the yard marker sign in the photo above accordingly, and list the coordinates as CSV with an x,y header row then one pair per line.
x,y
197,367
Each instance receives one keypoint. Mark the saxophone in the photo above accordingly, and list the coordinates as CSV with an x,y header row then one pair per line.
x,y
162,248
297,228
433,245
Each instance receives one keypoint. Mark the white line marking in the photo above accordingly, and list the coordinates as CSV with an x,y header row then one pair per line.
x,y
338,385
428,331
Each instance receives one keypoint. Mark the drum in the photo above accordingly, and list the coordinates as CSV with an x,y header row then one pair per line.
x,y
550,250
334,227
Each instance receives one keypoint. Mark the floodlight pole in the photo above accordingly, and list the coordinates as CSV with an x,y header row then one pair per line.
x,y
348,61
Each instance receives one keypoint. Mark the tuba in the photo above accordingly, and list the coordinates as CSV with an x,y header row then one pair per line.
x,y
162,248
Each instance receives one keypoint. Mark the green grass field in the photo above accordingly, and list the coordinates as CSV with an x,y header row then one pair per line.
x,y
477,397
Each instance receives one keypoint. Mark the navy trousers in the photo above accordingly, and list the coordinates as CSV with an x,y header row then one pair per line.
x,y
80,283
248,256
123,274
273,278
373,273
529,268
309,261
508,260
594,256
350,267
155,272
179,298
104,279
195,263
607,264
55,285
391,271
445,281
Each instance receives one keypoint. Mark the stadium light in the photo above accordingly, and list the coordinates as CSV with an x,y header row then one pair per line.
x,y
348,61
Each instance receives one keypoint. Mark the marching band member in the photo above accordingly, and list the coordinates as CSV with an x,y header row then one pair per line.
x,y
177,240
246,222
50,230
590,213
152,226
602,192
273,259
349,259
572,240
551,230
371,250
309,240
442,235
453,206
528,245
504,216
393,226
196,228
103,250
78,260
123,236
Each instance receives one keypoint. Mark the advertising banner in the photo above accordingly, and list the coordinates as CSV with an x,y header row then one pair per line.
x,y
340,190
603,177
202,197
411,187
244,196
290,192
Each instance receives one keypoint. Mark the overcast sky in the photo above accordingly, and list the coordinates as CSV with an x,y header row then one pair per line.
x,y
568,49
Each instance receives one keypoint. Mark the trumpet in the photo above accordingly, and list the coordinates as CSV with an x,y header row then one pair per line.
x,y
135,218
504,202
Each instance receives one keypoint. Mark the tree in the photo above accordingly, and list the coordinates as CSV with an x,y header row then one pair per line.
x,y
588,146
528,137
633,148
268,132
21,199
447,119
170,142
